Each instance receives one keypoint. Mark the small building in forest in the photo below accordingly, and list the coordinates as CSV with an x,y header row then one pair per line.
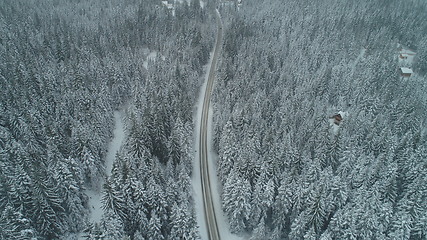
x,y
406,72
337,118
168,5
406,56
403,56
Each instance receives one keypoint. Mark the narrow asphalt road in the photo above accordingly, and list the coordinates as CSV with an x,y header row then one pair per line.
x,y
208,206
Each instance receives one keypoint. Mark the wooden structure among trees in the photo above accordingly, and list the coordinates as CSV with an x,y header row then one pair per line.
x,y
337,118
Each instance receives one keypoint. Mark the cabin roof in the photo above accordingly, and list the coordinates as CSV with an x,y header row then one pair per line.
x,y
406,70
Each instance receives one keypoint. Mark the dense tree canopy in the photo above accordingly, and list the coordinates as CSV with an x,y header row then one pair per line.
x,y
65,66
287,171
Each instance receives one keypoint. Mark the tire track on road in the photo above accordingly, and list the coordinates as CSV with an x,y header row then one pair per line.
x,y
208,206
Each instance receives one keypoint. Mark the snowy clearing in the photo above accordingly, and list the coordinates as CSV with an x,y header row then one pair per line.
x,y
150,56
116,142
95,205
406,56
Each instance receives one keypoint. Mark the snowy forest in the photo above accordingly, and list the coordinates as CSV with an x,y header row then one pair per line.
x,y
65,67
286,171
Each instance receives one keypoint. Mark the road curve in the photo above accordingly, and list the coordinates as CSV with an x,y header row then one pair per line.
x,y
208,206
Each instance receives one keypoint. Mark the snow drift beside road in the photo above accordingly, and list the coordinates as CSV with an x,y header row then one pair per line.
x,y
222,221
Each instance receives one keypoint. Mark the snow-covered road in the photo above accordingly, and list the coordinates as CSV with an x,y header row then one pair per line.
x,y
213,224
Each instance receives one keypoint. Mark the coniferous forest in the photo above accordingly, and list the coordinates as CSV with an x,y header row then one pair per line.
x,y
286,170
65,67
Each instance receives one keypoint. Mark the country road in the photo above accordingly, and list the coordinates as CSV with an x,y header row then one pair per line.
x,y
208,206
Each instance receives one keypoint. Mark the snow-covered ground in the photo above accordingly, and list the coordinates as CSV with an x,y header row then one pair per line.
x,y
151,56
357,60
336,127
222,221
116,142
406,57
95,196
95,206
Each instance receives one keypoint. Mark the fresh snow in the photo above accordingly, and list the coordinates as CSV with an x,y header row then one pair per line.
x,y
95,205
222,221
357,60
406,70
150,56
409,54
116,142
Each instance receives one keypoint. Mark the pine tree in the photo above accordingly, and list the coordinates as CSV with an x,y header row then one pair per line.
x,y
113,200
229,151
421,62
154,227
259,232
69,189
111,226
47,211
13,225
93,231
236,202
